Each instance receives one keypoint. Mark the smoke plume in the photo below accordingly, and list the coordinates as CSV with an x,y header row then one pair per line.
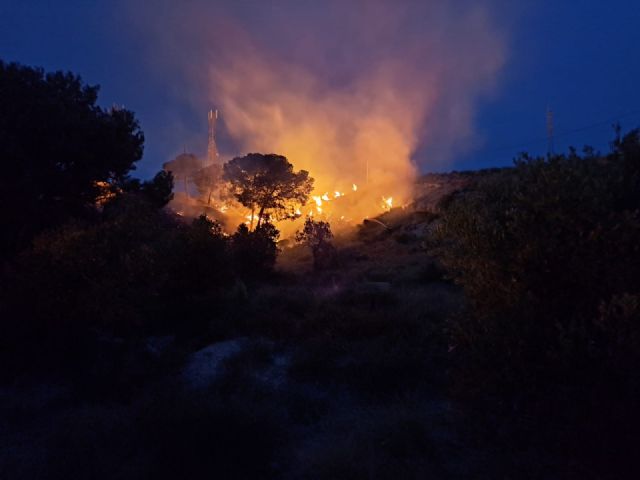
x,y
348,90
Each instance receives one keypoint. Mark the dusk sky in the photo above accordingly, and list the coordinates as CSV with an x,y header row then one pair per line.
x,y
580,58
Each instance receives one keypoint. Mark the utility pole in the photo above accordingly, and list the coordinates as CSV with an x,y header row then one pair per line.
x,y
549,131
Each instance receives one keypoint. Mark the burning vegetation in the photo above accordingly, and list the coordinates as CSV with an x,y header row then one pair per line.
x,y
259,188
362,117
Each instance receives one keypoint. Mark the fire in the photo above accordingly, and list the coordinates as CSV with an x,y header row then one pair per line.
x,y
106,192
364,117
356,149
338,206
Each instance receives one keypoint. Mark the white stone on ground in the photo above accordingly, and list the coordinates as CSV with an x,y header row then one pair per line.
x,y
205,366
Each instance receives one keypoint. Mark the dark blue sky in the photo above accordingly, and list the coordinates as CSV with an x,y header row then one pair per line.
x,y
579,57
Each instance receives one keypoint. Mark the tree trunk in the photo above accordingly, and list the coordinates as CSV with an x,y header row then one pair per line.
x,y
260,216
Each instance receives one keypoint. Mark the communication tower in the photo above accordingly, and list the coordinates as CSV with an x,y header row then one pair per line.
x,y
212,149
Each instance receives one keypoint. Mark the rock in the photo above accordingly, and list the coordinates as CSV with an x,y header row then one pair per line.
x,y
205,366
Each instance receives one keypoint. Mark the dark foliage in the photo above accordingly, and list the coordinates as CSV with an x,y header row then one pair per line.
x,y
208,181
254,252
549,255
183,168
317,235
547,243
159,190
136,272
267,185
56,146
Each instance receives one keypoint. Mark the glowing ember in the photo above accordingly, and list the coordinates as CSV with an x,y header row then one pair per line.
x,y
355,187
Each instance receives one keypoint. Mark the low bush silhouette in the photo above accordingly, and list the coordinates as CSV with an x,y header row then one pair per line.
x,y
255,252
547,253
317,235
137,271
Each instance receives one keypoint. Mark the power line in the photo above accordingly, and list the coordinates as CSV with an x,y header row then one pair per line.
x,y
562,133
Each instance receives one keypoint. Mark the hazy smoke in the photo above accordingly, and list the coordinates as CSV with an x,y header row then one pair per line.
x,y
341,88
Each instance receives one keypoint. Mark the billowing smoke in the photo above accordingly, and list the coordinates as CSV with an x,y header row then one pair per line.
x,y
349,90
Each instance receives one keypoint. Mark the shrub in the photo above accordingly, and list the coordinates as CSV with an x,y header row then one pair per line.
x,y
128,275
538,249
199,259
548,255
254,253
318,235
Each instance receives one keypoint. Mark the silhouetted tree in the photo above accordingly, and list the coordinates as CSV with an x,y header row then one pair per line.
x,y
184,168
207,179
159,190
267,184
317,235
199,260
254,253
57,148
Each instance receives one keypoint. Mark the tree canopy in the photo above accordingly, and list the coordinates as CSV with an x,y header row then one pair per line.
x,y
267,184
317,235
56,147
207,180
183,168
547,253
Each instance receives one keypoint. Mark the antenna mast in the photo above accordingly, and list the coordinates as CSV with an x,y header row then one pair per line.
x,y
212,148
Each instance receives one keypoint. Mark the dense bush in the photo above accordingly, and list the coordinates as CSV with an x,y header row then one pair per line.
x,y
137,271
57,149
254,252
539,248
548,253
317,235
